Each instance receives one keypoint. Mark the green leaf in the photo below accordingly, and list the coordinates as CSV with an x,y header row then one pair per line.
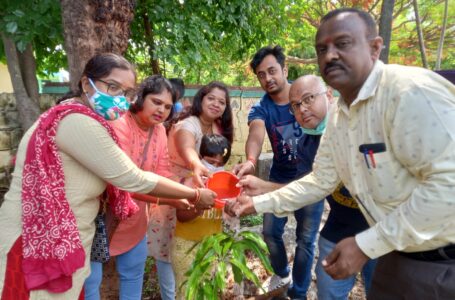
x,y
238,277
245,271
21,45
208,292
220,276
262,255
18,13
256,238
11,27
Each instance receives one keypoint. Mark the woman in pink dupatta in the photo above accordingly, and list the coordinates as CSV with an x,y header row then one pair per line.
x,y
64,162
143,138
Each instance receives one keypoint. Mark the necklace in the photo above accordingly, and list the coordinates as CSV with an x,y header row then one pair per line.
x,y
205,128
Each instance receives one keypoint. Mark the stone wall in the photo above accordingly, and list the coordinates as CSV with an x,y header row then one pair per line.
x,y
240,109
11,133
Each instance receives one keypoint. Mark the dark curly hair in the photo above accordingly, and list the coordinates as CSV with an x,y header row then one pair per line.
x,y
154,84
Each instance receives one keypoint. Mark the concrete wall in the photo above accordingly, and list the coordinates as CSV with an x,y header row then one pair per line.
x,y
11,133
240,109
5,80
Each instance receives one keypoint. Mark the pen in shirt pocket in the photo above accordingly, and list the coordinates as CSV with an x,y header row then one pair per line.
x,y
368,151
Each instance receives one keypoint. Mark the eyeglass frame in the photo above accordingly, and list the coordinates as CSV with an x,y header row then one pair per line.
x,y
296,106
124,93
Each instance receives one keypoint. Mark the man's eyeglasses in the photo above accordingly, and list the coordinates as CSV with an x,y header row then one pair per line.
x,y
115,90
306,101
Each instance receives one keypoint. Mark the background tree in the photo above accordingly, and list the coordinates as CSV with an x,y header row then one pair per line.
x,y
202,40
385,27
441,39
94,26
29,30
405,46
420,34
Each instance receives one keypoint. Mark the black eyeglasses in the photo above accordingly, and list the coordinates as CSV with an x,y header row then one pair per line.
x,y
115,90
306,101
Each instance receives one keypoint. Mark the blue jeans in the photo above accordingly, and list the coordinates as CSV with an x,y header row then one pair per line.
x,y
331,289
166,279
130,266
308,219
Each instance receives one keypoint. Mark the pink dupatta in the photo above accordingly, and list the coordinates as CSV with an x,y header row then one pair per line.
x,y
52,249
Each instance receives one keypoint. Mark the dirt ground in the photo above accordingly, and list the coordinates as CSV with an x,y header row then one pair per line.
x,y
109,288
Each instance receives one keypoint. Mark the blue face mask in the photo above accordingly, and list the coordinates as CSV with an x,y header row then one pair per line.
x,y
319,130
107,106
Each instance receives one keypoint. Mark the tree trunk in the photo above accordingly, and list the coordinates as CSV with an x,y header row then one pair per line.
x,y
420,34
27,64
94,26
303,61
385,27
441,38
28,109
149,37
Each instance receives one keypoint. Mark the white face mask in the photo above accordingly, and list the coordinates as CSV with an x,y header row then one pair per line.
x,y
210,167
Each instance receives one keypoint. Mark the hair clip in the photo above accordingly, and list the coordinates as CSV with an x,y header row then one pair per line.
x,y
225,152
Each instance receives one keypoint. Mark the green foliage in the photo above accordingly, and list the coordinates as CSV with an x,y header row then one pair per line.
x,y
37,23
151,288
216,256
201,40
404,47
251,220
204,40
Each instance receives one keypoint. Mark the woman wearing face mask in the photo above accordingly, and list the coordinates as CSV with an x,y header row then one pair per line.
x,y
142,137
64,162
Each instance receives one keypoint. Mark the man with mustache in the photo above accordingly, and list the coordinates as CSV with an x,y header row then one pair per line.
x,y
390,141
272,114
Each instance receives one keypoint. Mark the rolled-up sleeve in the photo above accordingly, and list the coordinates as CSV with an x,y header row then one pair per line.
x,y
90,144
304,191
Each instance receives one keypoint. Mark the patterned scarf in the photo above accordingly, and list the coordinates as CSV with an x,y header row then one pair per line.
x,y
52,248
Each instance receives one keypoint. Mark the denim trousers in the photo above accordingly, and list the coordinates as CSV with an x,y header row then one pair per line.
x,y
308,219
331,289
166,279
130,267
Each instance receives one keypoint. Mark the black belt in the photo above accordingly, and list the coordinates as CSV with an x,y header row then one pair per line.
x,y
443,253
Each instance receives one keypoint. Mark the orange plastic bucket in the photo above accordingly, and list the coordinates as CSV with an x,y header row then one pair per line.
x,y
223,184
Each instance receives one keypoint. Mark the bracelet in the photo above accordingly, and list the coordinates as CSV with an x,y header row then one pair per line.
x,y
253,162
252,159
197,197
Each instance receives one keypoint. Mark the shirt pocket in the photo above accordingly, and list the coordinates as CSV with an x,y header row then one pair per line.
x,y
381,177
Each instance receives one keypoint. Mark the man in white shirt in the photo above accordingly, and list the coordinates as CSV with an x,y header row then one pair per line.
x,y
391,142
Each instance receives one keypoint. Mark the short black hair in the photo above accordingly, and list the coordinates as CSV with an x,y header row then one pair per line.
x,y
276,51
154,84
214,144
370,24
179,87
